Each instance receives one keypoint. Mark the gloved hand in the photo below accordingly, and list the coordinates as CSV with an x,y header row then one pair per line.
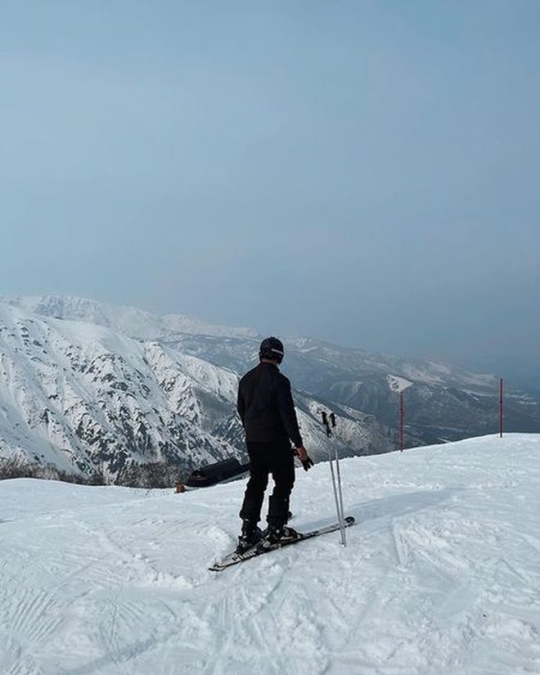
x,y
302,455
307,463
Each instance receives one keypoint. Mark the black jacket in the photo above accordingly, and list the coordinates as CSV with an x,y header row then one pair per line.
x,y
266,407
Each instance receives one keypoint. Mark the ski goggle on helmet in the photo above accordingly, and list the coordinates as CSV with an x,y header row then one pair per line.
x,y
272,348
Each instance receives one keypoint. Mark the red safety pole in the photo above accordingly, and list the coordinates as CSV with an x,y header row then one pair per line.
x,y
501,407
401,417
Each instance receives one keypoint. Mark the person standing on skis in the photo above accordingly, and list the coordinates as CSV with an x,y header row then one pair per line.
x,y
266,408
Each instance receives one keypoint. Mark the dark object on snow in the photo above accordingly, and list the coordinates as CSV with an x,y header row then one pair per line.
x,y
220,472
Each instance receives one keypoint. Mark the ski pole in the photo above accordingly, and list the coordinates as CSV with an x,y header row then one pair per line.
x,y
339,490
338,495
331,460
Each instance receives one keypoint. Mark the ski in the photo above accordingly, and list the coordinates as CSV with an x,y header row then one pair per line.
x,y
257,550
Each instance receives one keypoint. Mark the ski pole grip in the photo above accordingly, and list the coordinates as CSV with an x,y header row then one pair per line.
x,y
326,423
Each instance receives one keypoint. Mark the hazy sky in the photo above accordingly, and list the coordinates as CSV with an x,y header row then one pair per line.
x,y
365,171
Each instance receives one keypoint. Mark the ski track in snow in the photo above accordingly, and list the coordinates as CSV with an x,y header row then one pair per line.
x,y
441,574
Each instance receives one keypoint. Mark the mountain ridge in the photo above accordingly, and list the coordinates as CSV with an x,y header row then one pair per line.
x,y
102,397
85,398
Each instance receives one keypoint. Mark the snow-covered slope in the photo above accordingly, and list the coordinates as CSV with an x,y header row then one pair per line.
x,y
440,575
80,396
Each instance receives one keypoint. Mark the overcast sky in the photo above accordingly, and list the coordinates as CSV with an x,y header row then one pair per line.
x,y
364,171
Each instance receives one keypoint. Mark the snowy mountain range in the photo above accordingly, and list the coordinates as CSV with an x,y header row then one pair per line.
x,y
89,387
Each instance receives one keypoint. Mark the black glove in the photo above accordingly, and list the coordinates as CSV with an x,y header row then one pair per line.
x,y
307,463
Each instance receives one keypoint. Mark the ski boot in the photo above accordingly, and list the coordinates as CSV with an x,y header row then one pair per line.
x,y
279,535
250,535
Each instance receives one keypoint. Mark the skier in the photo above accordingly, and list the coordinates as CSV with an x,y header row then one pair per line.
x,y
266,408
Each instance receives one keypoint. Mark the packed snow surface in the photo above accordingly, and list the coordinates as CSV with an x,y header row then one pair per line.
x,y
440,575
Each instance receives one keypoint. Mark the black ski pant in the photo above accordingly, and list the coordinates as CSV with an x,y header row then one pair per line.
x,y
269,458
